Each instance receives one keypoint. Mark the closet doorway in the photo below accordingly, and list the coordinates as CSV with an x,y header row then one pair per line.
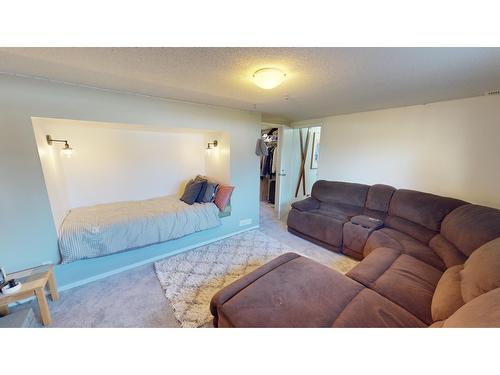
x,y
275,179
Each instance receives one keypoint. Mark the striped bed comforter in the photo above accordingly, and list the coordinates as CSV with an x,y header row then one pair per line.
x,y
89,232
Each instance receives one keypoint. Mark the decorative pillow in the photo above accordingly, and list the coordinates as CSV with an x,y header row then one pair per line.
x,y
447,297
191,191
210,191
204,181
481,271
483,311
223,196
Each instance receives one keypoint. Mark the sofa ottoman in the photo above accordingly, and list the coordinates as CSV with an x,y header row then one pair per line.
x,y
294,291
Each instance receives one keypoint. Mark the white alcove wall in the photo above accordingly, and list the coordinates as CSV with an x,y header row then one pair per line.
x,y
120,162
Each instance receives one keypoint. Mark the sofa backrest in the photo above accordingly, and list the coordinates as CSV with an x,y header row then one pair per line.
x,y
452,228
470,226
481,312
419,214
467,295
340,192
481,272
379,196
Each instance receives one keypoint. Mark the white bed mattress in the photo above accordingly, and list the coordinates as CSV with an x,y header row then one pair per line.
x,y
89,232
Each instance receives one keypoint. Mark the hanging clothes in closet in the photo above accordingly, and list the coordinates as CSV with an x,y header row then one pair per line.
x,y
268,164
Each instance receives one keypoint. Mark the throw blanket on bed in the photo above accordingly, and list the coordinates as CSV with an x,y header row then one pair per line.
x,y
89,232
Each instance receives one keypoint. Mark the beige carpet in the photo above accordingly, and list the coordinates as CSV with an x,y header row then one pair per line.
x,y
190,279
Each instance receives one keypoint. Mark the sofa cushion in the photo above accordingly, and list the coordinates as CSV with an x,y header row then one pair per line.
x,y
340,210
317,224
483,311
378,197
406,281
369,309
372,267
481,271
306,204
448,294
427,210
297,292
340,192
416,231
446,251
470,226
388,237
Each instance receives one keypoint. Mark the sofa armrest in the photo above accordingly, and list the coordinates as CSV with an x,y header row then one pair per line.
x,y
306,204
367,222
226,293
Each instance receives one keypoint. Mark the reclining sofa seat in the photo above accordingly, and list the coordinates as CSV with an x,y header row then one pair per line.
x,y
411,275
409,279
321,217
414,218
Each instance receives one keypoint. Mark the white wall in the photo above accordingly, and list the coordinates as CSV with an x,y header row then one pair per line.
x,y
113,163
218,159
448,148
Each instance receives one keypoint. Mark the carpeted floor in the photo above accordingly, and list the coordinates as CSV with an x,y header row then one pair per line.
x,y
192,278
135,298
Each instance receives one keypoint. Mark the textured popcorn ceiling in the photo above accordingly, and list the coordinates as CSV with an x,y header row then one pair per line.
x,y
320,81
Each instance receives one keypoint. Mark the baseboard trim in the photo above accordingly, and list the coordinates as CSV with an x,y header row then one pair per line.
x,y
151,260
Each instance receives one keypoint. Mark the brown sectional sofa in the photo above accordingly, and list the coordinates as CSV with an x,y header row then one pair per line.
x,y
427,261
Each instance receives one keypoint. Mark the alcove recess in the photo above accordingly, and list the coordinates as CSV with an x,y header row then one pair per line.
x,y
115,162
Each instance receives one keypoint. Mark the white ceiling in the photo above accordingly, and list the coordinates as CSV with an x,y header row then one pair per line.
x,y
320,81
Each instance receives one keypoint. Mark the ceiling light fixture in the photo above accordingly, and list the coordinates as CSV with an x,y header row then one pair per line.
x,y
268,78
66,151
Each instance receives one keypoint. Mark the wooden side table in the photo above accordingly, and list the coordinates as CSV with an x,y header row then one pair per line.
x,y
33,281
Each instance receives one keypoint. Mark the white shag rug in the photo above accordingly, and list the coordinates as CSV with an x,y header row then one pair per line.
x,y
191,279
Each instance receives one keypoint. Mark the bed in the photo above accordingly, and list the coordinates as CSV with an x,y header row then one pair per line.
x,y
89,232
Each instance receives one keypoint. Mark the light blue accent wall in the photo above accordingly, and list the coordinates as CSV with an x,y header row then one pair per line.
x,y
28,236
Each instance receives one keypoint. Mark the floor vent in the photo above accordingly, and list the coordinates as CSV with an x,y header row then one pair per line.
x,y
494,92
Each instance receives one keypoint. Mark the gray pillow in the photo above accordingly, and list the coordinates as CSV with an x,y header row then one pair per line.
x,y
209,195
192,191
200,196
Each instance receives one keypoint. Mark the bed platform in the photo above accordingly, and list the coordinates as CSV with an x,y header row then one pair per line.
x,y
89,232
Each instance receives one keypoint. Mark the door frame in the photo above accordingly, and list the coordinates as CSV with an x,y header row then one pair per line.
x,y
277,203
281,173
278,198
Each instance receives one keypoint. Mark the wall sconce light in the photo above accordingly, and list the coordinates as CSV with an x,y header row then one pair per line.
x,y
210,144
66,150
